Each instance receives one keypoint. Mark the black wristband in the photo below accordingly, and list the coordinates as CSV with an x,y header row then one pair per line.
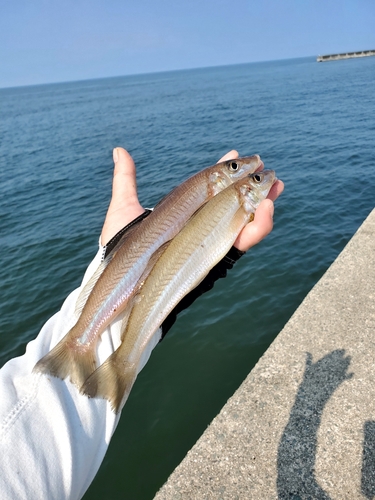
x,y
117,237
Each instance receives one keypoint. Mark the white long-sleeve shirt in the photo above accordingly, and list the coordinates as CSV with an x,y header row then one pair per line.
x,y
52,438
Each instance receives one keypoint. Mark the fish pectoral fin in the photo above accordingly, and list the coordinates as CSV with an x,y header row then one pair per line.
x,y
112,381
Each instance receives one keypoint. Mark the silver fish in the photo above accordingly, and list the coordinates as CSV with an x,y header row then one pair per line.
x,y
187,259
108,292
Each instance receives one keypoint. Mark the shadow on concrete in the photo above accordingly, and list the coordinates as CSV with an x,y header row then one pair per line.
x,y
297,448
368,461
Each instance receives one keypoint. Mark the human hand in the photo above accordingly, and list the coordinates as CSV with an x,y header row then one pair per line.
x,y
254,232
125,207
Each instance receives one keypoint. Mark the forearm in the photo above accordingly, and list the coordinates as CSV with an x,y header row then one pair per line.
x,y
52,439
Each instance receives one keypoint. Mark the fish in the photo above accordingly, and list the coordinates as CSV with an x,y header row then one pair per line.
x,y
182,265
107,293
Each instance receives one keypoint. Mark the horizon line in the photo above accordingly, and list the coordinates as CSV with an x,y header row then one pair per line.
x,y
150,73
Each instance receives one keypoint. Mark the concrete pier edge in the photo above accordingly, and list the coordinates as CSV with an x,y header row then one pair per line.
x,y
302,424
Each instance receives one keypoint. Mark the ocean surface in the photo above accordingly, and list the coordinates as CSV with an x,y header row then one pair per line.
x,y
313,123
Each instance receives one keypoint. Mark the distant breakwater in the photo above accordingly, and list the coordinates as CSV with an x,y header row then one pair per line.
x,y
346,55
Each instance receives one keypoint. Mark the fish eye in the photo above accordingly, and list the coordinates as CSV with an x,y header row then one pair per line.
x,y
233,166
257,177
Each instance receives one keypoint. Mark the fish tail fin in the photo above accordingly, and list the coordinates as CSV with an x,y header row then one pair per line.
x,y
67,360
112,381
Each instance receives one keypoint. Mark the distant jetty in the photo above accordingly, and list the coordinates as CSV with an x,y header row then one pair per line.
x,y
346,55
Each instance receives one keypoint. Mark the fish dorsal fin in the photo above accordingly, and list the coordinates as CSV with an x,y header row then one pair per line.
x,y
110,251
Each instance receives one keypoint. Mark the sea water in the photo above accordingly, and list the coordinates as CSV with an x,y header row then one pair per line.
x,y
313,123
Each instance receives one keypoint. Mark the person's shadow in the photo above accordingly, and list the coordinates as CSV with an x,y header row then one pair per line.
x,y
368,461
297,448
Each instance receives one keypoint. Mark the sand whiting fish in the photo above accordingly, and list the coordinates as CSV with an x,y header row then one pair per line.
x,y
107,293
187,259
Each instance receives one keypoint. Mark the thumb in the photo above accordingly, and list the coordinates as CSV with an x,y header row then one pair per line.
x,y
124,206
124,186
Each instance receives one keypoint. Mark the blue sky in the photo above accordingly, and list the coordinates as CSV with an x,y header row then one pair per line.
x,y
44,41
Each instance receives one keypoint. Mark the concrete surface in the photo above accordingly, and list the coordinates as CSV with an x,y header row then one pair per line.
x,y
302,425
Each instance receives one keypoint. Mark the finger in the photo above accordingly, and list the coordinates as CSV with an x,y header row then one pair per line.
x,y
124,186
276,190
255,231
229,156
262,224
124,206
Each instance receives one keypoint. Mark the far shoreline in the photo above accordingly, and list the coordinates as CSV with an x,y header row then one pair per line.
x,y
345,55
